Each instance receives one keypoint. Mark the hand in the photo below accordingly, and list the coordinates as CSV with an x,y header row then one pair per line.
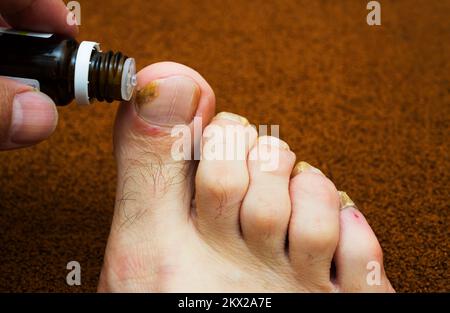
x,y
27,116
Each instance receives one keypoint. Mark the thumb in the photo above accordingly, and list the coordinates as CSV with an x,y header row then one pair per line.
x,y
27,116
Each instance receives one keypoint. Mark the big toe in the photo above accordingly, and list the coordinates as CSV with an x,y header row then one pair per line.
x,y
153,176
154,137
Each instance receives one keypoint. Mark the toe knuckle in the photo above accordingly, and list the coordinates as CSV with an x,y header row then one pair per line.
x,y
319,240
266,217
233,184
224,184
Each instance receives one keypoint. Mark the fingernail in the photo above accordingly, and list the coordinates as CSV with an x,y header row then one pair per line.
x,y
169,101
303,166
273,141
345,200
232,117
34,118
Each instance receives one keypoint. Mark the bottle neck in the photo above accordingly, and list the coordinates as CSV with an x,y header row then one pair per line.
x,y
105,75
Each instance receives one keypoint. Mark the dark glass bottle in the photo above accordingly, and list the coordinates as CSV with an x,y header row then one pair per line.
x,y
64,69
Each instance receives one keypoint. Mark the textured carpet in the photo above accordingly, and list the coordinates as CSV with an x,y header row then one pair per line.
x,y
370,106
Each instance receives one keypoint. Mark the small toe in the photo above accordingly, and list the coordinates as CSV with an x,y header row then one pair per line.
x,y
266,208
314,225
222,176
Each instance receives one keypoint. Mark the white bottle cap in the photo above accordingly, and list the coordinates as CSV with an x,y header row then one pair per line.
x,y
81,79
129,81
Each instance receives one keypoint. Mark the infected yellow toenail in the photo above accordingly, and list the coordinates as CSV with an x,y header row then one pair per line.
x,y
232,117
345,200
168,101
303,166
147,93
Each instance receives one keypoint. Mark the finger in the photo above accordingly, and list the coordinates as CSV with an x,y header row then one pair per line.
x,y
38,15
26,116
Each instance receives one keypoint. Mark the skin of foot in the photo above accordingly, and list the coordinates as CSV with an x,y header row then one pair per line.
x,y
225,225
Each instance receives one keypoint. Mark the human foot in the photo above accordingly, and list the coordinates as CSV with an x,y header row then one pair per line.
x,y
251,228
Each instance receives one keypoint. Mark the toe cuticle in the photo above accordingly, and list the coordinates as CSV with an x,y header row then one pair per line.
x,y
303,166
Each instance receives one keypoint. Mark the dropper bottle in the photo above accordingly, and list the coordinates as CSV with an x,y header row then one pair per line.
x,y
65,69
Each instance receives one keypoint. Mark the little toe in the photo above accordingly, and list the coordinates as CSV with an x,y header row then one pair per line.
x,y
359,257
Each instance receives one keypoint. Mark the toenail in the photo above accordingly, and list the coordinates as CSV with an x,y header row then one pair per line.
x,y
169,101
345,200
303,166
273,141
232,117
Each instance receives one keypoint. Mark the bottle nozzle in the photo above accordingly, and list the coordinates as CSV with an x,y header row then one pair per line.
x,y
129,79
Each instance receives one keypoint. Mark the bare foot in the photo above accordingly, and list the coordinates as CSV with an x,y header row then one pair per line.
x,y
249,229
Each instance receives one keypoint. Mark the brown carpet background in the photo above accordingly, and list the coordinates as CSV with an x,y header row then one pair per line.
x,y
370,106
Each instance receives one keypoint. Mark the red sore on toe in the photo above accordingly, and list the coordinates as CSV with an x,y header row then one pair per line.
x,y
146,129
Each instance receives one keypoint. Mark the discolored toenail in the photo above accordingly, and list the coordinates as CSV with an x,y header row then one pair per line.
x,y
303,166
169,101
345,200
